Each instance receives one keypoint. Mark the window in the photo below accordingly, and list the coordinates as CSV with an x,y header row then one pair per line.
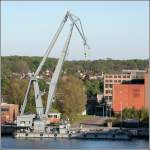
x,y
106,85
50,116
136,92
108,91
22,122
4,109
106,97
55,116
110,97
115,76
119,76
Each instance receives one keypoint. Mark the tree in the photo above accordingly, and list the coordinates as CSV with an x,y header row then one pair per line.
x,y
92,87
5,86
23,64
143,115
20,67
16,91
71,97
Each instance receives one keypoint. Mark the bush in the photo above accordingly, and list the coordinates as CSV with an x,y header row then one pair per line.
x,y
130,113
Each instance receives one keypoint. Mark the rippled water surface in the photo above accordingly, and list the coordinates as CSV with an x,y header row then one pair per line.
x,y
8,142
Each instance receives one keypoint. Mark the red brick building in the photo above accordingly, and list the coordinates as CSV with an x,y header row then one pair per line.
x,y
147,90
128,96
9,112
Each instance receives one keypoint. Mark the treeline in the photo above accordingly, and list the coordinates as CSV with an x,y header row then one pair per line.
x,y
67,101
20,64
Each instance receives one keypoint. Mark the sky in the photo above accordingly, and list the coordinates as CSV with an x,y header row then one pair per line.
x,y
114,29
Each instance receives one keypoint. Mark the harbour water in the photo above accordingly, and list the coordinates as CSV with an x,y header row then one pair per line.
x,y
45,143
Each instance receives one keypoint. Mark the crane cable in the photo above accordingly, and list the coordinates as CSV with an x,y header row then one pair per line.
x,y
85,61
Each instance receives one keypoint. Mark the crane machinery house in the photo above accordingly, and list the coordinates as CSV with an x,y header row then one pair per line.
x,y
53,117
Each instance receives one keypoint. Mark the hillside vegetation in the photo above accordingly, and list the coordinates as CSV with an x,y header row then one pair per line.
x,y
24,64
71,91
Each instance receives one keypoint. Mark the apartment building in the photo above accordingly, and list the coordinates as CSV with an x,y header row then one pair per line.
x,y
125,75
131,94
135,74
109,80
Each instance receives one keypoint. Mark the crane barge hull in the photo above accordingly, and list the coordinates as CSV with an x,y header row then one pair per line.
x,y
107,135
93,136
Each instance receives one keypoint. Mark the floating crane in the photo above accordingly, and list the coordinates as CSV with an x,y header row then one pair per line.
x,y
38,120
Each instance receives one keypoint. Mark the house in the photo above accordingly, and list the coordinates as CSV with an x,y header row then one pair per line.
x,y
9,112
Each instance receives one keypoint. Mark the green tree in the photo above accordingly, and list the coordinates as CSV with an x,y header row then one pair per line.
x,y
16,91
143,115
20,67
23,64
70,99
5,86
93,87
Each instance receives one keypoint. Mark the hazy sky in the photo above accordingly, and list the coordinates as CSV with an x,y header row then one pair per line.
x,y
118,30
